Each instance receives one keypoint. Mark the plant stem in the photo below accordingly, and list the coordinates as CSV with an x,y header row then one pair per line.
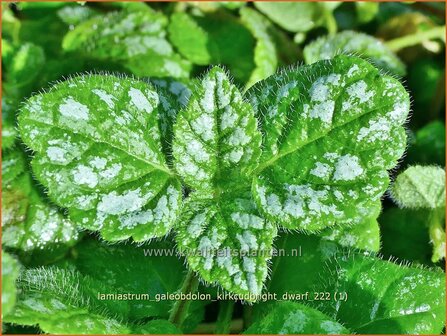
x,y
413,39
224,318
180,309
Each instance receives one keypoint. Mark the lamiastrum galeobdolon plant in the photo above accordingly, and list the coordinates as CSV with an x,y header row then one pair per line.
x,y
328,133
216,168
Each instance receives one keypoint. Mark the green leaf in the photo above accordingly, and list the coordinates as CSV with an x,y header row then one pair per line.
x,y
216,147
364,235
349,43
173,96
22,69
420,187
387,298
10,272
295,318
135,40
98,151
265,51
300,17
216,138
127,269
61,302
214,38
331,131
211,230
292,16
29,222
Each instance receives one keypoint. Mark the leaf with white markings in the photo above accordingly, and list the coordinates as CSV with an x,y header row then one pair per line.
x,y
135,39
210,231
10,272
216,146
295,318
216,138
29,222
98,151
331,131
354,43
384,297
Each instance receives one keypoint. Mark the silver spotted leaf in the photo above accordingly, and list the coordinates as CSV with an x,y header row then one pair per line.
x,y
97,147
226,241
135,39
10,272
384,297
354,43
331,131
29,222
216,141
364,235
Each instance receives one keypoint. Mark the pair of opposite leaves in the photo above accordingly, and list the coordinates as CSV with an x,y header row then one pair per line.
x,y
310,149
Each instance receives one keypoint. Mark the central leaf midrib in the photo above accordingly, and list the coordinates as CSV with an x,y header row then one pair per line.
x,y
269,162
155,165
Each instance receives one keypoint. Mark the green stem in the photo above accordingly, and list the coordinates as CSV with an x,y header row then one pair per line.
x,y
224,318
180,309
413,39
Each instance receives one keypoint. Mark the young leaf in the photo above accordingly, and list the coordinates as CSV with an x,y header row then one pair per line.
x,y
265,51
420,187
10,272
387,298
214,38
211,230
295,318
331,131
134,39
98,151
354,43
216,138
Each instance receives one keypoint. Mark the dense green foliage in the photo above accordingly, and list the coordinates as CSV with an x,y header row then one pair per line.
x,y
223,148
